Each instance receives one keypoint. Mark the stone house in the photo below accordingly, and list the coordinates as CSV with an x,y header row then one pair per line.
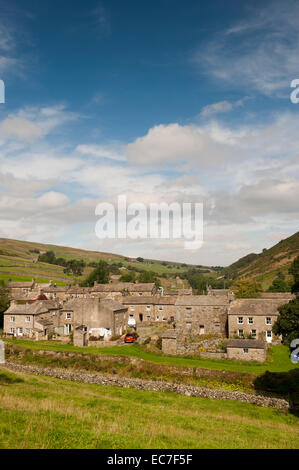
x,y
247,350
20,288
78,292
118,290
96,317
202,314
150,309
32,319
254,317
55,292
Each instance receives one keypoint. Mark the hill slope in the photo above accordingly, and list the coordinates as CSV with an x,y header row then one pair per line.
x,y
267,264
19,262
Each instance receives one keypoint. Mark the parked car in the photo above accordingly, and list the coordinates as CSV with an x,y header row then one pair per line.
x,y
131,337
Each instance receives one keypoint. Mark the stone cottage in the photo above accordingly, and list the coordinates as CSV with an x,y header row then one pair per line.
x,y
33,320
150,309
254,317
96,317
247,350
202,314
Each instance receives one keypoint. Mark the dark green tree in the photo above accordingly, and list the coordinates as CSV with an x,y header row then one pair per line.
x,y
4,300
100,275
287,324
279,285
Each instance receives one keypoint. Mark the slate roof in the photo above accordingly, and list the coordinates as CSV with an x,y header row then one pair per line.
x,y
204,300
148,300
36,308
118,287
21,284
246,343
255,307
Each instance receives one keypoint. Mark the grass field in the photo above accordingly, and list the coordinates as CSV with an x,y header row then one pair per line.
x,y
278,360
42,412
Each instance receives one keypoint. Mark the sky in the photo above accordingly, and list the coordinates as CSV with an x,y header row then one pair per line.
x,y
161,101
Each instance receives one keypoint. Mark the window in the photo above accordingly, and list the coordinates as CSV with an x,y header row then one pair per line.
x,y
27,320
250,320
269,334
139,293
240,320
148,318
268,321
241,332
245,350
132,308
27,331
12,319
188,325
163,318
157,318
253,333
148,307
131,315
160,308
68,316
12,330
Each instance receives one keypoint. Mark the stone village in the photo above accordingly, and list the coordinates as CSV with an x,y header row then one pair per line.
x,y
190,324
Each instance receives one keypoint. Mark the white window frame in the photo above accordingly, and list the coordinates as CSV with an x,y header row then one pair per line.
x,y
250,322
241,322
157,317
164,318
160,308
12,331
269,335
28,319
68,316
27,331
252,334
268,318
12,319
245,350
132,308
242,332
148,307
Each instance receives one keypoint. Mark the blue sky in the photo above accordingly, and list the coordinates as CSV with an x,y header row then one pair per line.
x,y
161,101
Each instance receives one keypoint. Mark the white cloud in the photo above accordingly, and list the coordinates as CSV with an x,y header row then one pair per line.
x,y
260,53
17,128
220,107
101,151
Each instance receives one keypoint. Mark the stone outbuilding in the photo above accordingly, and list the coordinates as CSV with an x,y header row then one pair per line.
x,y
169,342
247,350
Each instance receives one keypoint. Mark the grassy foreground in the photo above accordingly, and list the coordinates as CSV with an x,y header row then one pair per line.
x,y
43,412
278,360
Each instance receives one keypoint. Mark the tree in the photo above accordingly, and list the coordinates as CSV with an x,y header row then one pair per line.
x,y
4,300
247,289
279,285
139,259
287,324
128,277
294,270
100,275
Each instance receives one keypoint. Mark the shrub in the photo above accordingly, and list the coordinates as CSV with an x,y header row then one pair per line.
x,y
159,343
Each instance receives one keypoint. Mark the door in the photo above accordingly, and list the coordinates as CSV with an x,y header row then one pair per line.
x,y
140,317
269,336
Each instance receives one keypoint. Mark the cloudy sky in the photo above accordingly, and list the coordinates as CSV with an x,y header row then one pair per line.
x,y
162,101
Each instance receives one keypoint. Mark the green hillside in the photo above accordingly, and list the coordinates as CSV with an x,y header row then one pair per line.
x,y
19,262
266,265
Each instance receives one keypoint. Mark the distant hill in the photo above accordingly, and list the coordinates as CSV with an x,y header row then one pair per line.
x,y
267,264
18,261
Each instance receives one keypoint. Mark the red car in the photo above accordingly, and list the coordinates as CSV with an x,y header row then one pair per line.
x,y
130,337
